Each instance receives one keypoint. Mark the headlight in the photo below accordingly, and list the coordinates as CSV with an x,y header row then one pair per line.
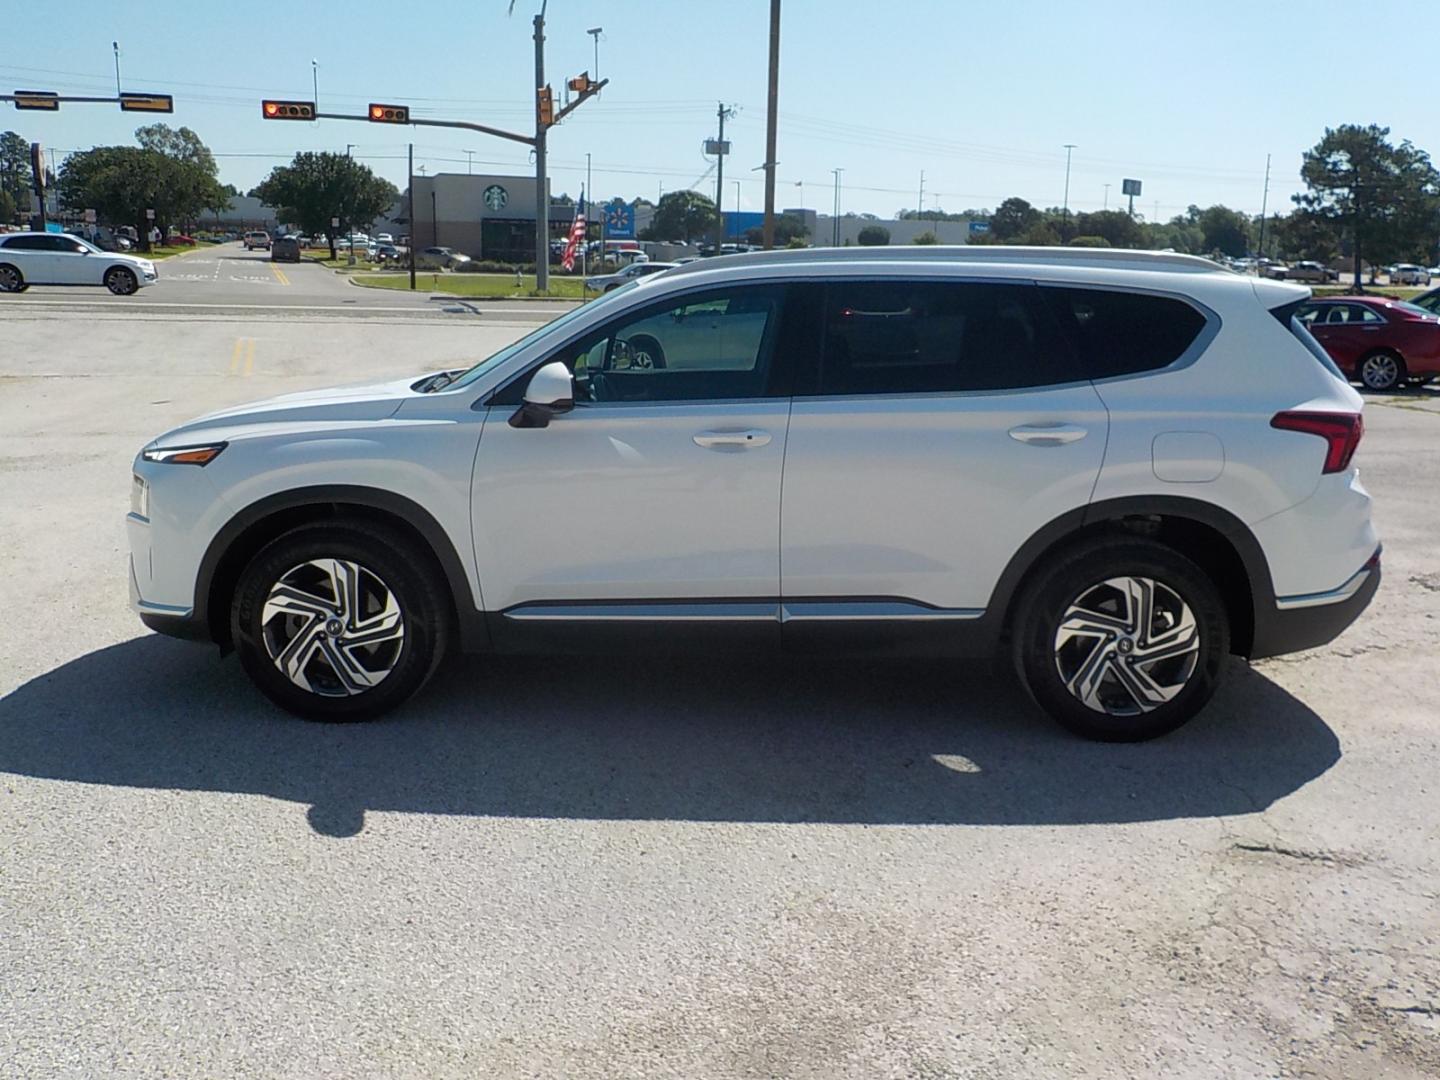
x,y
139,497
184,455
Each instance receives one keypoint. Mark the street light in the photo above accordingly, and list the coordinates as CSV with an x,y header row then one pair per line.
x,y
315,83
1065,210
595,32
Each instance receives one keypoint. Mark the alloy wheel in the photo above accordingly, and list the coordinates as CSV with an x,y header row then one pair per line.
x,y
9,279
333,627
1380,372
1127,646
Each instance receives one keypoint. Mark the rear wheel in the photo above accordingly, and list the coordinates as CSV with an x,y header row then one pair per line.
x,y
1121,639
1381,370
11,280
341,621
121,281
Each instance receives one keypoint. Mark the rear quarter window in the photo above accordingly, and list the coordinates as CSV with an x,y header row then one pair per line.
x,y
1124,333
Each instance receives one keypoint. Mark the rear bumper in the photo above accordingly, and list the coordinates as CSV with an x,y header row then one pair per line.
x,y
1298,623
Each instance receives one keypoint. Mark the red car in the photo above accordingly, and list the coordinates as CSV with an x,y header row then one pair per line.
x,y
1379,342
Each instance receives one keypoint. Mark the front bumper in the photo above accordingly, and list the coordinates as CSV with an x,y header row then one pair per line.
x,y
1308,623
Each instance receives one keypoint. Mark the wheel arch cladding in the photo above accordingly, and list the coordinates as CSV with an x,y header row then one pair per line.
x,y
255,526
1212,538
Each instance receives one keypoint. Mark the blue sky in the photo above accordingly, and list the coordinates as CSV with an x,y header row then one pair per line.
x,y
1188,97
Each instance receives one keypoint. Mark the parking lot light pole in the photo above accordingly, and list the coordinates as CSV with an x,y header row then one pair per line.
x,y
1065,206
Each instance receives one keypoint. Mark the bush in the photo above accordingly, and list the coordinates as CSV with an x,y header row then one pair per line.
x,y
874,236
489,266
1090,241
926,237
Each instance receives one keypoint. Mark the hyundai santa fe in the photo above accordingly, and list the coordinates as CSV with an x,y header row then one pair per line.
x,y
1112,468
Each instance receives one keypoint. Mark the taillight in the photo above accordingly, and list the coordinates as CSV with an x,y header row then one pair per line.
x,y
1341,432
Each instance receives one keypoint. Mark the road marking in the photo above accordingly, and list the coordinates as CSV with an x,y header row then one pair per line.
x,y
235,356
250,358
242,357
279,274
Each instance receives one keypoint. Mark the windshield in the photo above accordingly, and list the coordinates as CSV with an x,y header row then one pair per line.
x,y
1412,309
556,327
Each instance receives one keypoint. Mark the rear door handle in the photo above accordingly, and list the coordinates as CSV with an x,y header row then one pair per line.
x,y
732,440
1047,434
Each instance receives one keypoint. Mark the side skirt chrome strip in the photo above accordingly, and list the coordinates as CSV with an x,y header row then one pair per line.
x,y
887,610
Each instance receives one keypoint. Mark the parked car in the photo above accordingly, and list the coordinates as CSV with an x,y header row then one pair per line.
x,y
1409,274
285,249
1379,342
179,240
256,239
384,238
1313,272
1275,271
440,258
388,253
1157,475
45,258
604,283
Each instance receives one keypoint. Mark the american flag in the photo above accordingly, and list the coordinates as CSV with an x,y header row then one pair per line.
x,y
577,235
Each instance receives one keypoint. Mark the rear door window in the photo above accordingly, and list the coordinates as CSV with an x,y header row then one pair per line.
x,y
1124,333
919,337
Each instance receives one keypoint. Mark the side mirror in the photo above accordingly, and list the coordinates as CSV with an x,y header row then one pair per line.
x,y
551,393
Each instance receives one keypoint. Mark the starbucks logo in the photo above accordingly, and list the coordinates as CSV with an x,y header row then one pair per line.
x,y
496,197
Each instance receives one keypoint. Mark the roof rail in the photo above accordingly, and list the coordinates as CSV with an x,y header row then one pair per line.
x,y
968,253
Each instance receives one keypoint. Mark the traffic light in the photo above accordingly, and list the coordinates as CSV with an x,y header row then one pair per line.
x,y
287,110
389,114
545,100
147,103
581,83
37,99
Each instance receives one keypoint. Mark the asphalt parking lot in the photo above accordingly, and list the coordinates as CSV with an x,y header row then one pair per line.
x,y
624,867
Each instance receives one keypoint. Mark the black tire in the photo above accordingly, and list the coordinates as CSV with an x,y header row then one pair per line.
x,y
643,345
121,281
1381,371
391,560
11,280
1083,573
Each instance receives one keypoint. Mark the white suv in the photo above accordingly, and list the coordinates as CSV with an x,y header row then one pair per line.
x,y
46,258
1118,467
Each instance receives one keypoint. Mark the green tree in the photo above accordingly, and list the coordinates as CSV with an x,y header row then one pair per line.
x,y
1304,236
15,168
1224,230
121,182
926,237
788,227
314,188
1116,227
873,236
1012,219
682,215
1090,242
1383,198
8,209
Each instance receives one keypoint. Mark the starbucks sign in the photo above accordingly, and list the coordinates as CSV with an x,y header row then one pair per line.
x,y
496,197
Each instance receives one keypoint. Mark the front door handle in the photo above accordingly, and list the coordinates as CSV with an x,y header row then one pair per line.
x,y
1047,434
732,440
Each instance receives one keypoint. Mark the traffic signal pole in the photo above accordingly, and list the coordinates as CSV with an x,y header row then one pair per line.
x,y
546,117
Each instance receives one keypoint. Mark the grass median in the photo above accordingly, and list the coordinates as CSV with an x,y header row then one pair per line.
x,y
492,286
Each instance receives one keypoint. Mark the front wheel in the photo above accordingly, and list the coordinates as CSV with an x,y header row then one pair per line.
x,y
120,281
1381,371
341,621
1121,639
11,279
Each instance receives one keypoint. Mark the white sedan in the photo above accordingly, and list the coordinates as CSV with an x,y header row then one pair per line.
x,y
44,258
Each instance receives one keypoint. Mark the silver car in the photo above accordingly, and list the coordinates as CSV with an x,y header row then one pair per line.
x,y
603,283
440,258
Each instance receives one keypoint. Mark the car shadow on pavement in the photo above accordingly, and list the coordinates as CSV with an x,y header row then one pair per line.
x,y
633,738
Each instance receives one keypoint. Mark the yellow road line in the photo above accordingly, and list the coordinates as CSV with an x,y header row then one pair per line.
x,y
235,357
250,358
279,274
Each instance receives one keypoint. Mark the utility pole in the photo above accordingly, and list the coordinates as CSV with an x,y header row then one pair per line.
x,y
920,202
772,111
315,82
115,46
410,247
542,195
1107,196
469,162
722,113
1264,204
1065,211
835,217
585,240
737,210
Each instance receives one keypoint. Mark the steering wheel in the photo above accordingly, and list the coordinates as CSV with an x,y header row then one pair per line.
x,y
599,388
